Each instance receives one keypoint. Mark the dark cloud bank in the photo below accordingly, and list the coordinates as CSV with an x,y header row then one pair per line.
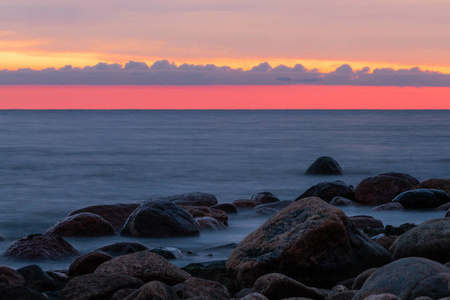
x,y
165,73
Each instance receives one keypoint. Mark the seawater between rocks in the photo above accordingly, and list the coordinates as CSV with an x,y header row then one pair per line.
x,y
54,162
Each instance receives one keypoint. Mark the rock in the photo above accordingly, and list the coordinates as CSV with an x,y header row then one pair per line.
x,y
210,223
38,246
115,214
447,214
11,277
196,287
37,279
244,292
422,198
386,241
340,201
408,278
388,206
264,211
382,188
191,199
327,190
345,295
160,218
264,198
279,286
123,294
361,278
97,286
385,296
82,224
213,270
19,293
436,184
168,252
228,208
122,248
153,290
271,208
144,265
391,230
324,165
304,241
363,222
3,238
244,204
204,211
443,207
431,239
87,263
254,296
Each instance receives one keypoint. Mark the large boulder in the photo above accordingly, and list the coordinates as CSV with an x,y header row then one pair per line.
x,y
196,287
82,224
324,165
11,277
160,218
191,199
408,279
87,263
310,241
146,266
37,279
204,211
115,214
434,183
382,188
327,190
422,198
431,239
154,290
42,247
122,248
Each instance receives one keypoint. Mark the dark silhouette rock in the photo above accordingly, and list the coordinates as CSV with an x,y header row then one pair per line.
x,y
392,230
327,190
196,287
160,218
304,241
146,266
191,199
382,188
37,279
436,184
208,223
361,278
431,239
97,286
204,211
408,279
443,207
122,248
122,294
422,198
153,290
11,277
82,224
340,201
280,286
324,165
363,222
228,208
447,214
19,293
244,204
115,214
43,247
87,263
388,206
213,270
264,198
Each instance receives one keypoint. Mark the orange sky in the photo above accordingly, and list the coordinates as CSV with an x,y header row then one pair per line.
x,y
222,97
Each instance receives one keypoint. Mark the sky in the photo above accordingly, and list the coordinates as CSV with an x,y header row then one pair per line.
x,y
319,34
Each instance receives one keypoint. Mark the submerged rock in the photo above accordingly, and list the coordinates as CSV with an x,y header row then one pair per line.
x,y
264,198
434,183
244,203
388,206
340,201
204,211
208,223
422,198
229,208
82,224
324,165
327,190
191,199
123,248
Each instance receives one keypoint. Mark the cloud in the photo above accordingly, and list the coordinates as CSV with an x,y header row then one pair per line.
x,y
262,67
163,65
344,69
137,66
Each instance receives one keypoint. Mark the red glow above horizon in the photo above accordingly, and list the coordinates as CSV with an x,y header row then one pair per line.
x,y
223,97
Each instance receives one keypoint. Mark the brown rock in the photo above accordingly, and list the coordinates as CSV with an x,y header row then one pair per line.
x,y
386,241
208,223
196,287
11,277
87,263
228,208
310,241
328,190
382,188
363,222
82,224
146,266
154,290
244,203
115,214
204,211
38,246
264,198
437,184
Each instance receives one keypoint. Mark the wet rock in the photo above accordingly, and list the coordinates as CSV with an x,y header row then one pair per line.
x,y
340,201
196,287
37,279
324,165
160,218
153,290
87,263
363,222
191,199
255,296
97,286
271,208
38,246
436,184
122,248
388,206
361,278
431,239
279,286
304,241
208,223
146,266
115,214
327,190
204,211
11,277
264,211
382,188
408,278
168,252
264,198
422,198
229,208
19,293
244,204
82,224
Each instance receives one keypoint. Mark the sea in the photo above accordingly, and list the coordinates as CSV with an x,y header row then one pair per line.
x,y
53,162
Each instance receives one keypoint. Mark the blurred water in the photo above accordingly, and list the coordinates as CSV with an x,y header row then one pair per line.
x,y
53,162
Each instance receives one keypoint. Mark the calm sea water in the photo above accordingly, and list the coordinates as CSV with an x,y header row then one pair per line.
x,y
53,162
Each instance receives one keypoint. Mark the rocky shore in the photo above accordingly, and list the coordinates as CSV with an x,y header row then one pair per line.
x,y
307,249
